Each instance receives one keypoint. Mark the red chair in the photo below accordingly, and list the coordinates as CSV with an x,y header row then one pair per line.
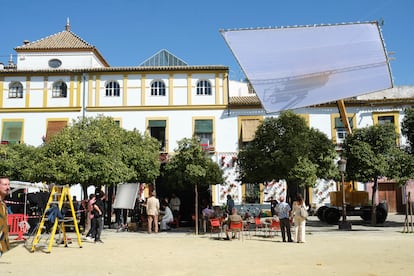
x,y
236,227
259,225
215,226
274,227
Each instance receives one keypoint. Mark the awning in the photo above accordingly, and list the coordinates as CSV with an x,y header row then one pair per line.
x,y
54,127
157,123
203,126
12,132
249,127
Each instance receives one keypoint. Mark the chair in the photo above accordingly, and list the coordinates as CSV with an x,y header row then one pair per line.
x,y
258,225
215,226
274,227
236,227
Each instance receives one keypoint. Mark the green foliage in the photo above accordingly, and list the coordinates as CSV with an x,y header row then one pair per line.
x,y
190,165
285,148
372,152
18,161
407,128
91,151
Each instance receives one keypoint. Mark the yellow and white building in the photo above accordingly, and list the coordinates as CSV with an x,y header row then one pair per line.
x,y
62,77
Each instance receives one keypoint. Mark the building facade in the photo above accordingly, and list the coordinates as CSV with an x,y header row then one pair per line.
x,y
61,78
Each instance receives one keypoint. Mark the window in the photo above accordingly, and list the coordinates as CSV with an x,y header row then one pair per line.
x,y
391,117
59,89
112,89
203,129
247,126
16,90
54,127
157,130
158,88
12,132
340,129
203,87
387,119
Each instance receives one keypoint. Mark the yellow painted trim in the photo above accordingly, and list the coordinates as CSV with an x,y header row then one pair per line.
x,y
167,131
143,80
243,192
90,92
213,119
306,117
13,120
45,95
337,115
225,88
171,89
217,89
78,90
395,114
27,93
40,109
214,195
1,91
157,108
97,90
71,92
189,89
261,190
125,91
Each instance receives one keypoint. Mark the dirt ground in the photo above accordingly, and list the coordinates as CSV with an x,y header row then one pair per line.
x,y
366,250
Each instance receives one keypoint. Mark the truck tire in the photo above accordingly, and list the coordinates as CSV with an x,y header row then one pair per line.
x,y
320,211
382,212
332,215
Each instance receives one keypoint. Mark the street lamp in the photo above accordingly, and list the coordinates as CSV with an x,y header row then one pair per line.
x,y
344,224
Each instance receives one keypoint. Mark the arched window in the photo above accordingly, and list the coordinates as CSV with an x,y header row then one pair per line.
x,y
157,88
15,90
112,89
59,89
203,87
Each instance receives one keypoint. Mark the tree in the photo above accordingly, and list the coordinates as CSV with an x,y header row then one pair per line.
x,y
372,152
96,151
407,128
286,148
19,161
191,166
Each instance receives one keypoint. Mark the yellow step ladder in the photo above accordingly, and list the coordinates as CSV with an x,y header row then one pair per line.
x,y
59,196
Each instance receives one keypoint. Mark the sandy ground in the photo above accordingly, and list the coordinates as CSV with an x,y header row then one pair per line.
x,y
365,250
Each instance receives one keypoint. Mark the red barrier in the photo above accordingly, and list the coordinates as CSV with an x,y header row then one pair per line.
x,y
17,225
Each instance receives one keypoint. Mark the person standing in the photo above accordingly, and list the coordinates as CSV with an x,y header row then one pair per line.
x,y
284,211
298,220
4,228
99,209
153,209
273,204
175,204
230,204
90,229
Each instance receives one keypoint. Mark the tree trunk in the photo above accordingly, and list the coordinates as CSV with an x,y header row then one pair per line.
x,y
196,209
374,203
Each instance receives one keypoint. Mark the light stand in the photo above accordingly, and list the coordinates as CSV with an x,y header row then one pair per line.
x,y
344,224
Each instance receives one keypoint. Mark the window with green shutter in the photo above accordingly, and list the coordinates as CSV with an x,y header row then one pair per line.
x,y
12,132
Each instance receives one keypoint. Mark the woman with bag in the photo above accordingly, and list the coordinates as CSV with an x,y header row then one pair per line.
x,y
300,214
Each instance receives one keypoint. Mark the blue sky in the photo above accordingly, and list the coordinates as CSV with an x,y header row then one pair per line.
x,y
127,32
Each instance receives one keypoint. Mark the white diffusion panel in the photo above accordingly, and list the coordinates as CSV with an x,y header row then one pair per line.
x,y
126,194
295,67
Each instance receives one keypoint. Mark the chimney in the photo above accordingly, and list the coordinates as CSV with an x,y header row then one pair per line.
x,y
25,42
